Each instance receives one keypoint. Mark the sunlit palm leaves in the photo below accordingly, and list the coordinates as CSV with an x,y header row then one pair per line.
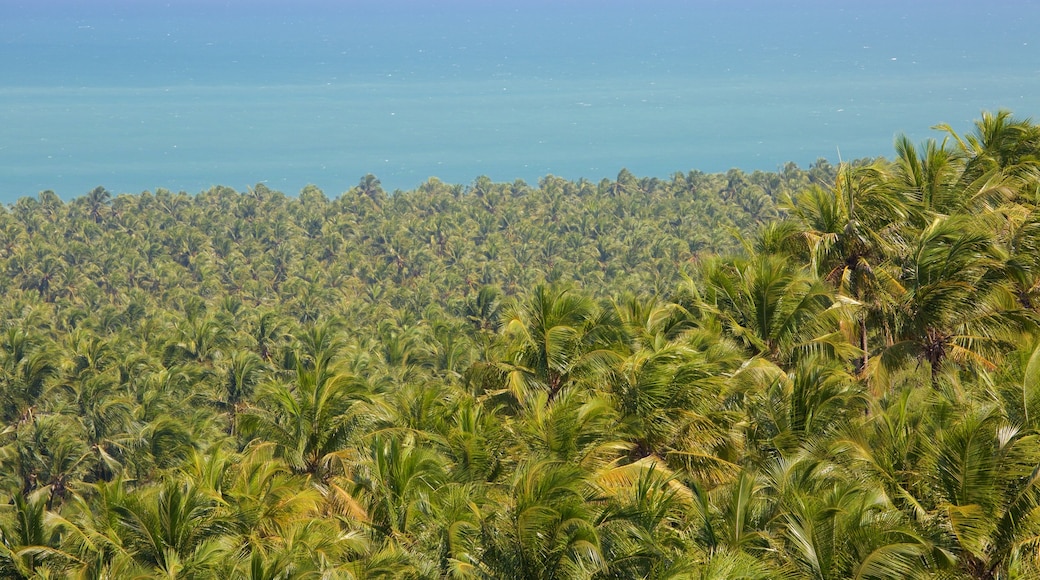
x,y
310,419
553,339
956,305
774,309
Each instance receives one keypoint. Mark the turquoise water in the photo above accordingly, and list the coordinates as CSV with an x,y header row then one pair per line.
x,y
186,95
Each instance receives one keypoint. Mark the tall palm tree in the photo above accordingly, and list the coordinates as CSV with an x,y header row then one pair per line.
x,y
552,339
804,404
26,364
670,398
573,428
851,232
277,523
1020,236
999,141
774,309
47,453
242,373
957,305
483,311
929,177
399,480
988,494
943,180
97,202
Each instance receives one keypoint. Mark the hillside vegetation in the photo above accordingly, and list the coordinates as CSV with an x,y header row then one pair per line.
x,y
822,373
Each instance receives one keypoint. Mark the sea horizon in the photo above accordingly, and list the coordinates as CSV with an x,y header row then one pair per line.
x,y
189,95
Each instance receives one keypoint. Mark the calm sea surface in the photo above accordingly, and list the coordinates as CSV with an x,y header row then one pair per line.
x,y
137,95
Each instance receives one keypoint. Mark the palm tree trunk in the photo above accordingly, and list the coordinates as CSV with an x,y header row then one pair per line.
x,y
863,344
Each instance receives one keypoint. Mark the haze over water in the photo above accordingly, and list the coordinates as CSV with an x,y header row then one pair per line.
x,y
184,95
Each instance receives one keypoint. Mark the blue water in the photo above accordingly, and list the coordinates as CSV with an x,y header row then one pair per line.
x,y
137,95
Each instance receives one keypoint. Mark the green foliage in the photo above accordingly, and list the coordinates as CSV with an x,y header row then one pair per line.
x,y
828,373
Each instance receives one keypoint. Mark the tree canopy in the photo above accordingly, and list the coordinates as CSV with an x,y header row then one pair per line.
x,y
821,373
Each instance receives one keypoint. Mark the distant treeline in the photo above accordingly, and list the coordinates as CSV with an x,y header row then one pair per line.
x,y
636,232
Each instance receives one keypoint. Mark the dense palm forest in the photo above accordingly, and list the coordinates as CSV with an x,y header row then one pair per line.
x,y
822,373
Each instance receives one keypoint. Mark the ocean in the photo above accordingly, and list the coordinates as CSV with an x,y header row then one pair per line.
x,y
135,95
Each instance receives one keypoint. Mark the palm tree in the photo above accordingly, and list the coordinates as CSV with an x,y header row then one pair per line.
x,y
999,142
90,392
1020,386
574,428
200,338
1019,236
97,202
851,231
928,177
276,524
644,525
449,527
943,180
173,528
734,517
263,496
953,462
312,417
31,538
484,311
48,453
552,339
835,527
547,531
957,306
807,403
268,330
988,494
371,189
775,310
670,393
243,372
476,442
398,477
26,363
